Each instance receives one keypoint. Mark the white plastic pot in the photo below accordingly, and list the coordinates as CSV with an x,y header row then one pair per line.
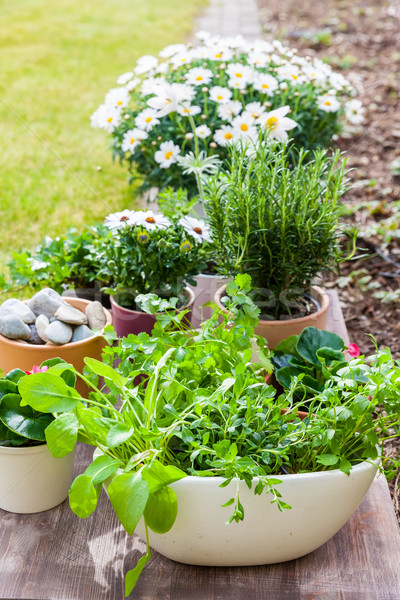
x,y
321,504
205,290
32,480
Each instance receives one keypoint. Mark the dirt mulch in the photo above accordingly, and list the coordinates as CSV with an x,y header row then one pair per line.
x,y
361,40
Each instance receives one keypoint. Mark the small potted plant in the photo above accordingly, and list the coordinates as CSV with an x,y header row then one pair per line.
x,y
31,478
202,441
207,96
149,253
281,226
67,264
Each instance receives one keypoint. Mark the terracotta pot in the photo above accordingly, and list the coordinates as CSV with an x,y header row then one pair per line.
x,y
89,293
32,480
128,321
205,290
23,356
276,331
321,503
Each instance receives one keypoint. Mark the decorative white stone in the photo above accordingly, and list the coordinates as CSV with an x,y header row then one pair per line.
x,y
69,314
14,328
46,302
82,332
58,333
13,306
96,315
42,322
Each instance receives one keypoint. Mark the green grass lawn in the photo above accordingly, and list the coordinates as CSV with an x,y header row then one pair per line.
x,y
58,59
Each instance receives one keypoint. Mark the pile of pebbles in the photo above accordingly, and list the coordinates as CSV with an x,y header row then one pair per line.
x,y
48,319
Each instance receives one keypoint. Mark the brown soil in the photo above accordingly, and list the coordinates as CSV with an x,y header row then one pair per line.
x,y
361,39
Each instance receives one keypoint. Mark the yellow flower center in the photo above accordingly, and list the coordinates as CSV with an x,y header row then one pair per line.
x,y
244,127
327,102
219,55
272,123
150,219
168,155
132,140
265,86
109,119
199,78
149,119
119,103
294,76
239,75
220,97
228,136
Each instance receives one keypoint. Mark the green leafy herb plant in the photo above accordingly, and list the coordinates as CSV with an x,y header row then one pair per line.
x,y
193,403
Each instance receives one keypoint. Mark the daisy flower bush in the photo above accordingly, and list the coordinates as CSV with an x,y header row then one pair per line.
x,y
212,95
149,253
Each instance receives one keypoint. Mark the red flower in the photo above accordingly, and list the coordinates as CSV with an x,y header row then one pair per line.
x,y
353,350
36,369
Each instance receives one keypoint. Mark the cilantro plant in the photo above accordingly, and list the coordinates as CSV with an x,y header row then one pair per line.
x,y
193,402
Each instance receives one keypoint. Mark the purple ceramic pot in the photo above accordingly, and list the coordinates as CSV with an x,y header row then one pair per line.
x,y
126,321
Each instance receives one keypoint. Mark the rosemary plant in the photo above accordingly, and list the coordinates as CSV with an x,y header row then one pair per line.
x,y
274,221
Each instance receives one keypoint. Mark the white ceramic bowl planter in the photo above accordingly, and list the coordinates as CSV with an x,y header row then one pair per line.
x,y
32,480
321,504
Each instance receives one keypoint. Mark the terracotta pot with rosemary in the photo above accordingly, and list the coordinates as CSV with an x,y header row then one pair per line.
x,y
280,225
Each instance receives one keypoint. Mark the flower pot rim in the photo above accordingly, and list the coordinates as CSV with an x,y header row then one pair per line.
x,y
39,448
363,465
322,296
43,347
189,293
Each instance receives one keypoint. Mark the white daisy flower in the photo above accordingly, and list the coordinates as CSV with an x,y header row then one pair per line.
x,y
202,35
106,117
255,109
328,103
132,138
201,52
196,228
229,110
125,77
313,74
172,49
354,111
131,85
162,68
264,83
170,96
278,124
239,75
147,119
243,125
220,54
186,110
202,131
150,220
226,135
145,64
183,58
167,154
337,81
117,220
220,94
289,72
199,76
117,97
262,46
259,59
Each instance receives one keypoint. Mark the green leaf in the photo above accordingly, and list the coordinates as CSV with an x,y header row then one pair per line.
x,y
8,387
15,375
312,339
328,459
82,496
23,420
345,466
158,475
118,434
288,346
48,393
161,510
128,495
102,468
133,575
62,434
105,371
57,366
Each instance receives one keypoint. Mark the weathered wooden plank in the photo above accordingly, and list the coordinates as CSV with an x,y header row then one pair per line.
x,y
57,556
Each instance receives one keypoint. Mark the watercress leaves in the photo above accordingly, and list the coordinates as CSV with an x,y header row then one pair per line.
x,y
128,495
83,496
47,393
161,510
105,371
23,420
62,434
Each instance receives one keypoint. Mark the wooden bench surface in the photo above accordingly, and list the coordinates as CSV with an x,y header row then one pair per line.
x,y
54,555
